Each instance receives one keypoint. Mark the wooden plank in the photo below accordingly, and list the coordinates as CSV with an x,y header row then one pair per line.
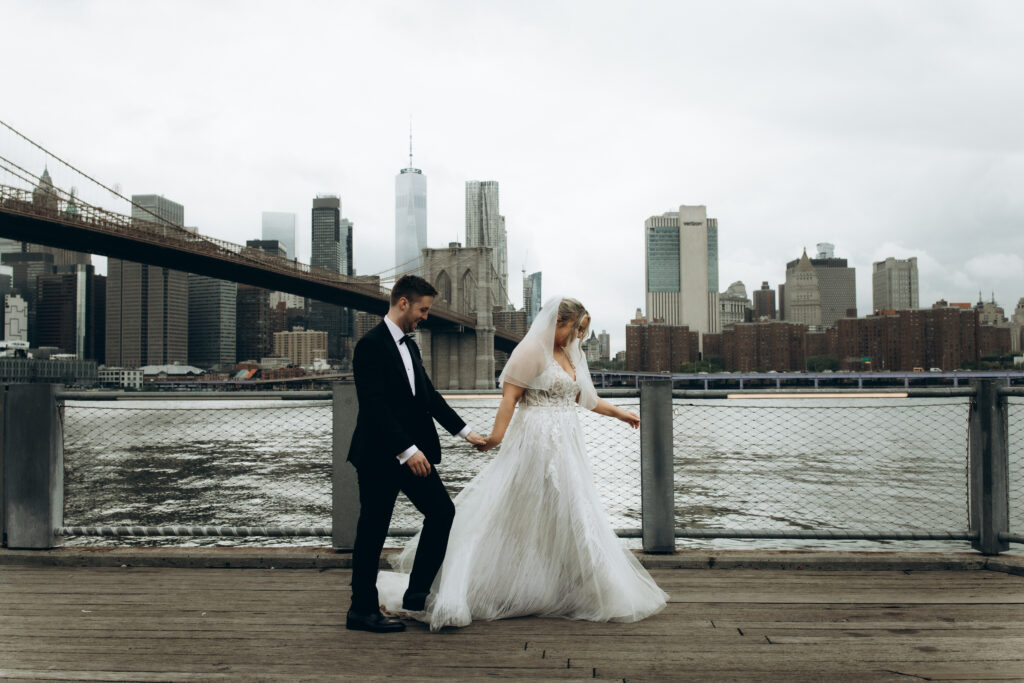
x,y
173,624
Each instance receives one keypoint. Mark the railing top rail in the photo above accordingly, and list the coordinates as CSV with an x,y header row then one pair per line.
x,y
807,392
710,394
1010,391
192,395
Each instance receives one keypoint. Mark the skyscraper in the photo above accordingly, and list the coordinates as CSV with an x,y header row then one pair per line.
x,y
714,309
894,285
70,308
677,269
485,227
532,297
764,302
837,288
803,293
281,227
331,250
147,306
212,310
410,217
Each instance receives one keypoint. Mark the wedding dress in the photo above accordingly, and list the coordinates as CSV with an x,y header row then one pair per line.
x,y
530,535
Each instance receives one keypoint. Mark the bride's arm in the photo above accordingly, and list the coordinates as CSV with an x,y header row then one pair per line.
x,y
510,395
603,407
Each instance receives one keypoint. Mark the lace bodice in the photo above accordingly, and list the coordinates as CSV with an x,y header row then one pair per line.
x,y
562,393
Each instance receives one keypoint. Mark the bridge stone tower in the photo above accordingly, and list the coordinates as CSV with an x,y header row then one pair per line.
x,y
467,283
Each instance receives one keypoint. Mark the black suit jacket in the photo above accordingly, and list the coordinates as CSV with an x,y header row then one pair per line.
x,y
390,418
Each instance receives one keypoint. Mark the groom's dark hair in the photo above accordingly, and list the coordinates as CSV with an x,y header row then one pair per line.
x,y
413,288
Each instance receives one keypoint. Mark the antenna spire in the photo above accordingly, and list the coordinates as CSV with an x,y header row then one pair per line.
x,y
410,141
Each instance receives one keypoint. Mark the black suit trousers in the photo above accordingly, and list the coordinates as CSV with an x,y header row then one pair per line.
x,y
379,485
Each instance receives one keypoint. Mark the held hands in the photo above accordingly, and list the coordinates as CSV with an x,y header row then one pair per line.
x,y
475,439
419,464
488,443
632,419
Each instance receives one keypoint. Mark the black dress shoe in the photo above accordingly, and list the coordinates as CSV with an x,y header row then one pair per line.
x,y
414,602
373,621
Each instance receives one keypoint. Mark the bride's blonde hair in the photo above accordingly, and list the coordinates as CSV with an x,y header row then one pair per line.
x,y
571,309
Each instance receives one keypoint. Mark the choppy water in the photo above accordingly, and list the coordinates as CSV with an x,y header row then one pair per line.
x,y
767,464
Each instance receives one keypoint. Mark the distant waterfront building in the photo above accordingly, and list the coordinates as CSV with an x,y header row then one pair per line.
x,y
1017,327
836,283
254,329
659,347
26,269
15,318
485,227
277,248
714,322
123,378
606,345
764,303
302,347
532,296
803,296
212,321
894,285
331,250
70,310
592,348
990,313
679,269
733,305
410,217
280,226
147,306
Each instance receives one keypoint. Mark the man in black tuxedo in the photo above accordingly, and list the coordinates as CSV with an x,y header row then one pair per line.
x,y
395,448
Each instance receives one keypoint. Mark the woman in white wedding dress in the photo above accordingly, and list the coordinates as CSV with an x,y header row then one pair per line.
x,y
530,535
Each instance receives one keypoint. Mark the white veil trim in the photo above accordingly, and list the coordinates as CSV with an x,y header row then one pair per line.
x,y
527,365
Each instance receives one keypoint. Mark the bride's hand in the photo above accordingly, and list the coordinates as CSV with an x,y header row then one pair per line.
x,y
632,419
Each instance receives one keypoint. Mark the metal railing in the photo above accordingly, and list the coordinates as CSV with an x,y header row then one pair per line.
x,y
928,464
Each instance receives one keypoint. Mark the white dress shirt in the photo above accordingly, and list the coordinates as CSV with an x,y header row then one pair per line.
x,y
403,351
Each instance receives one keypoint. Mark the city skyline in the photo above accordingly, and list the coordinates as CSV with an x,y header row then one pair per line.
x,y
834,125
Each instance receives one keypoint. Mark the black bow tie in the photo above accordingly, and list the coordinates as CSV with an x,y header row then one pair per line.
x,y
405,338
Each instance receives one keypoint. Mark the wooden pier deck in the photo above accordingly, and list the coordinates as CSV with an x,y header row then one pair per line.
x,y
173,624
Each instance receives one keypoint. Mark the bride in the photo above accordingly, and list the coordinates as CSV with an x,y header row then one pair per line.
x,y
530,535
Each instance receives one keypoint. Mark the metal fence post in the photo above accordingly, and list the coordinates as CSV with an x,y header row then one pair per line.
x,y
657,472
344,486
988,468
33,466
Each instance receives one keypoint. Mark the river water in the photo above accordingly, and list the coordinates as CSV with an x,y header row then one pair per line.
x,y
858,464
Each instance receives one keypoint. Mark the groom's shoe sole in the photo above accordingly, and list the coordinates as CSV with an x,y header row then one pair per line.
x,y
374,623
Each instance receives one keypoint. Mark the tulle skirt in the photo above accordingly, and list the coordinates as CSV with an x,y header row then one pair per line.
x,y
531,537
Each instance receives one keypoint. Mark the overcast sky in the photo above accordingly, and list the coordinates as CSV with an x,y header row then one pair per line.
x,y
886,128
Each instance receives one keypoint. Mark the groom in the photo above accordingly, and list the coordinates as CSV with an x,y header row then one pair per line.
x,y
394,448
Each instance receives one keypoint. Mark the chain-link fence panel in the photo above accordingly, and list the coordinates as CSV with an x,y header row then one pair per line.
x,y
213,462
822,464
1015,439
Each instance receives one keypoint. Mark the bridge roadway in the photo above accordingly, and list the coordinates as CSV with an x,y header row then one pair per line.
x,y
733,615
97,231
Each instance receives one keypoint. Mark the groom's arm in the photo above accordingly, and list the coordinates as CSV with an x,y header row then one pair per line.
x,y
369,367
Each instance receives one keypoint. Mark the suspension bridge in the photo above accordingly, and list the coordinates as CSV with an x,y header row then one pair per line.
x,y
64,219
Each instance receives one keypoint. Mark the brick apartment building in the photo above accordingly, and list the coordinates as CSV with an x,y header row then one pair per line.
x,y
942,337
656,346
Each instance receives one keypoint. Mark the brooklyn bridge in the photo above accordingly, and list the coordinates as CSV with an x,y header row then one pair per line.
x,y
458,340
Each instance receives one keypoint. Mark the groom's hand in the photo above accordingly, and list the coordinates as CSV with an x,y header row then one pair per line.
x,y
419,464
475,439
